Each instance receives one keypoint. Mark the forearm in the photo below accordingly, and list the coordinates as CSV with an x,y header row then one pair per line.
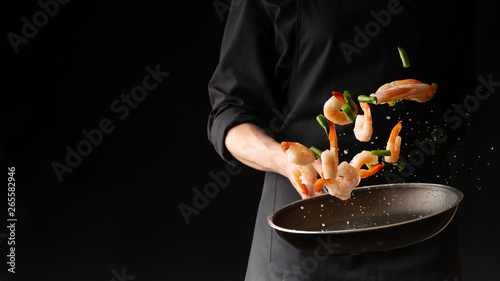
x,y
250,145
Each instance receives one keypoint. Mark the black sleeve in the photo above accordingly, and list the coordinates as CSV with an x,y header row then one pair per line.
x,y
241,89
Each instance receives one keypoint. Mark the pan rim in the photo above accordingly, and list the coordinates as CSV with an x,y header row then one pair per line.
x,y
345,231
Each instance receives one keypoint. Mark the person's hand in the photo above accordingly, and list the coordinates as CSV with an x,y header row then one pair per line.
x,y
250,145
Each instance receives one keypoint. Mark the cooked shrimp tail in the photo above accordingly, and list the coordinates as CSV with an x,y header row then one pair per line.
x,y
318,186
394,144
332,137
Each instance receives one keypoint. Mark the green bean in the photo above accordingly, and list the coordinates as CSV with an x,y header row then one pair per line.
x,y
404,57
399,164
368,99
435,85
381,152
349,101
316,151
348,112
324,123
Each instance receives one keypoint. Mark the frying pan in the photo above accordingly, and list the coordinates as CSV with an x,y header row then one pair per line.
x,y
375,218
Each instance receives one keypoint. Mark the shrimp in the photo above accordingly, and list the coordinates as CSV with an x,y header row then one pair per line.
x,y
330,158
305,176
297,153
298,181
394,144
301,159
332,137
308,174
409,89
341,187
362,158
339,180
366,157
363,127
348,177
332,111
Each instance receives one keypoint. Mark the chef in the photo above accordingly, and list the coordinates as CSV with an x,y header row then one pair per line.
x,y
280,61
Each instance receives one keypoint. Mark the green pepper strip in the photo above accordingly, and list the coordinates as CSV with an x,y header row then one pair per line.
x,y
367,99
381,152
404,57
324,123
399,164
348,112
349,101
369,166
316,151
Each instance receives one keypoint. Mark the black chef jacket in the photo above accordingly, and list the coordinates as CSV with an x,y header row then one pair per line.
x,y
280,61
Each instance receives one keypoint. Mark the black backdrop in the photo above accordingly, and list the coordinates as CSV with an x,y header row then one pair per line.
x,y
114,212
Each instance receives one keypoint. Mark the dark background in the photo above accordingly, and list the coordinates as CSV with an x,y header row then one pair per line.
x,y
118,210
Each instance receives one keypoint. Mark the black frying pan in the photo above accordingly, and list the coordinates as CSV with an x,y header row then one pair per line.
x,y
375,218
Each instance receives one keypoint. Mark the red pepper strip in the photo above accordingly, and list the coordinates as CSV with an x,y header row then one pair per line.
x,y
370,172
296,174
318,186
341,98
